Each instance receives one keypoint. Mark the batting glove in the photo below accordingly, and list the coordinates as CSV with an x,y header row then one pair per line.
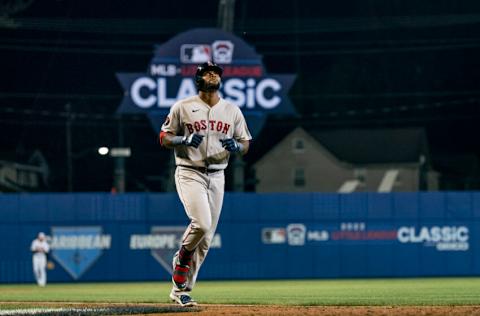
x,y
193,140
231,145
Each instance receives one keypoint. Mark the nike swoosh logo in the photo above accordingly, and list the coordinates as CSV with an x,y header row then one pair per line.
x,y
195,110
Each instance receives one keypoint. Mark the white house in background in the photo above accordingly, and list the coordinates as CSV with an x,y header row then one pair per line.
x,y
24,177
361,160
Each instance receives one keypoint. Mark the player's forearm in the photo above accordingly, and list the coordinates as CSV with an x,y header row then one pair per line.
x,y
245,146
170,140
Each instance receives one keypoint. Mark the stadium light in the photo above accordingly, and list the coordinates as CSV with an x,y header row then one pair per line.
x,y
103,151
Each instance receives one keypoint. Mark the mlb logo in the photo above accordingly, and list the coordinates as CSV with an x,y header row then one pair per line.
x,y
274,235
195,53
222,52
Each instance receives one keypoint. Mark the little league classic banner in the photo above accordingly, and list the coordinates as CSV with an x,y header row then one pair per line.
x,y
170,77
132,237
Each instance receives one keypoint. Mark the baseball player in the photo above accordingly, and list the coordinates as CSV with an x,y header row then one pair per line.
x,y
203,130
40,248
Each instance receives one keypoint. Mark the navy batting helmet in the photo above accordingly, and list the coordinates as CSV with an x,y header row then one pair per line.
x,y
201,69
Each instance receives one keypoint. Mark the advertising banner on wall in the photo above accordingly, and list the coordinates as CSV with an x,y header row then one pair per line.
x,y
260,236
77,248
170,77
163,242
432,237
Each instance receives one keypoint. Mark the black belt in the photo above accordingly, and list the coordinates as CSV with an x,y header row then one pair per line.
x,y
201,169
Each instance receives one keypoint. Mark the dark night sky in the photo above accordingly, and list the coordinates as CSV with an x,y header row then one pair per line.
x,y
358,63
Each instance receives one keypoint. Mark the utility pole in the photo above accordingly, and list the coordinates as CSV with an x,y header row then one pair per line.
x,y
119,173
68,147
226,14
169,182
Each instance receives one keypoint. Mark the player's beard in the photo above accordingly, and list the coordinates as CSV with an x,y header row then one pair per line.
x,y
209,86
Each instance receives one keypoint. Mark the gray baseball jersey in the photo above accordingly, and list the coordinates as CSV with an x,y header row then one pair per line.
x,y
192,115
201,193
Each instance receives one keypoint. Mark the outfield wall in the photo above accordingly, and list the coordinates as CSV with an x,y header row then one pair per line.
x,y
132,237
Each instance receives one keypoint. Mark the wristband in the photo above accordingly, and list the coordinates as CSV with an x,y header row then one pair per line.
x,y
178,140
240,147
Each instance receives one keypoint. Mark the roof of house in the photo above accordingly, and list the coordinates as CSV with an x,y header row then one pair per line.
x,y
359,145
369,146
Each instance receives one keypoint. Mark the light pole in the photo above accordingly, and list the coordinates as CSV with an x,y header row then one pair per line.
x,y
226,15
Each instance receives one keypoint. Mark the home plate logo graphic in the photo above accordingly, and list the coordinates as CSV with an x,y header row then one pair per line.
x,y
76,248
168,242
163,242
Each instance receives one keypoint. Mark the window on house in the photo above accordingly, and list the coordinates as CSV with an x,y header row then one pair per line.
x,y
298,145
299,177
360,174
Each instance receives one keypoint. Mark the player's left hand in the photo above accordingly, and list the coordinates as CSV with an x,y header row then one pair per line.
x,y
231,145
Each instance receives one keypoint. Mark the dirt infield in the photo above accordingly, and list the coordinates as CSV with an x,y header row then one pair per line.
x,y
335,310
216,310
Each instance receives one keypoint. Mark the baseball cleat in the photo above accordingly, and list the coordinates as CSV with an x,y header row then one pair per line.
x,y
183,299
179,277
180,273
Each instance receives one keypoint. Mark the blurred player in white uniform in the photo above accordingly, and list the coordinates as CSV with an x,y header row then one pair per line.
x,y
40,248
203,130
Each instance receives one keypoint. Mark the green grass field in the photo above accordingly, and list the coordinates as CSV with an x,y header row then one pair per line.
x,y
389,292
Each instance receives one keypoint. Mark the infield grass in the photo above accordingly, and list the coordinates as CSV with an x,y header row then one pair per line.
x,y
386,292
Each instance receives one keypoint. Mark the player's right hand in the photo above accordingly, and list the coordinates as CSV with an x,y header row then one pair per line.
x,y
231,145
193,140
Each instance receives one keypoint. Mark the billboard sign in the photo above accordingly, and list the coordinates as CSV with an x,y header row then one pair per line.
x,y
170,77
76,248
